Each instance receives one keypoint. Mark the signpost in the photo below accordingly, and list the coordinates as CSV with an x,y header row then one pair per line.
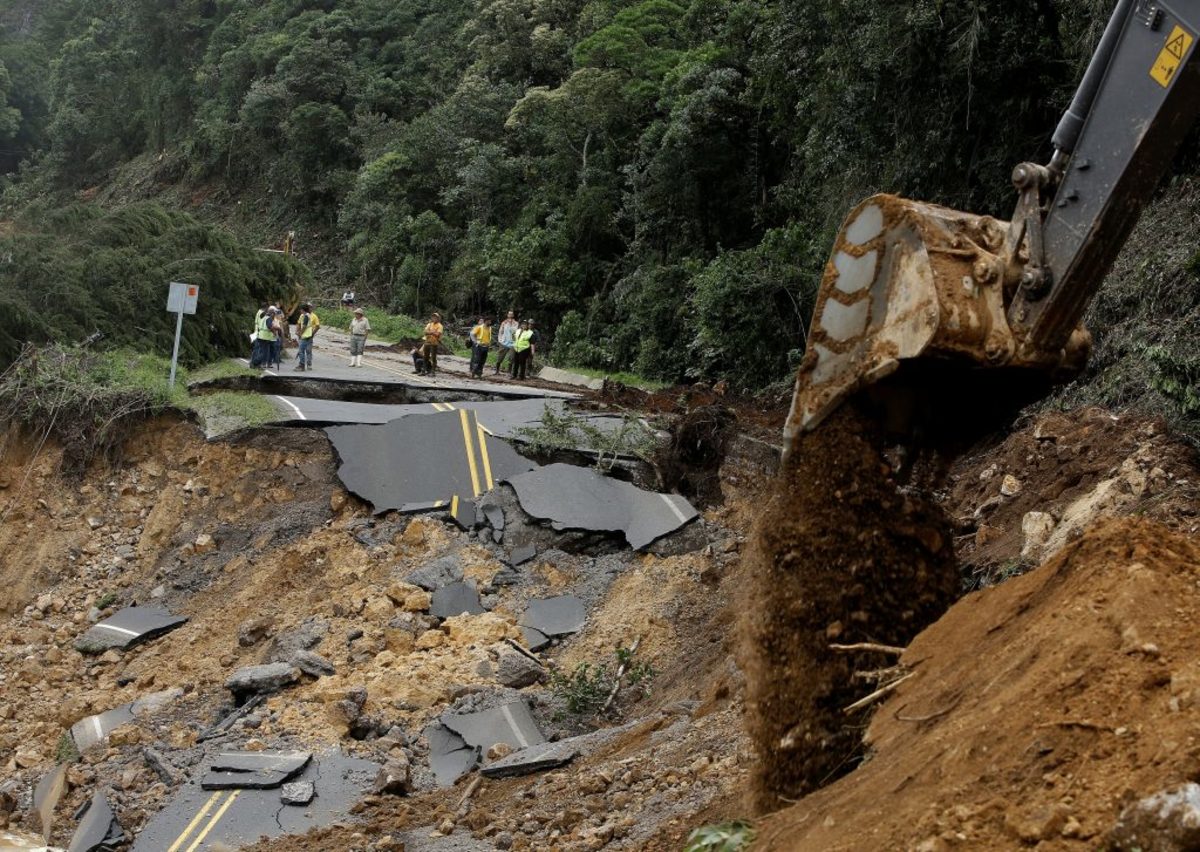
x,y
182,300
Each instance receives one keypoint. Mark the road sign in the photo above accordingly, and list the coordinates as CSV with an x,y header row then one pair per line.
x,y
182,297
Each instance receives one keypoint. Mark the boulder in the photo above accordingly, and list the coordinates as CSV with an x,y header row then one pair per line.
x,y
264,679
1168,820
297,793
1036,528
517,671
394,777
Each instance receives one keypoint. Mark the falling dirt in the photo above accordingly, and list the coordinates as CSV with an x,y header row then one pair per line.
x,y
1037,709
840,554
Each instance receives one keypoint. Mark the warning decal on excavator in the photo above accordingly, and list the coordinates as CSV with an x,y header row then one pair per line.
x,y
1171,56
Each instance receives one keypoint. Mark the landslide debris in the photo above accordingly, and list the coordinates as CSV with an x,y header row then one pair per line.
x,y
253,540
840,554
1038,709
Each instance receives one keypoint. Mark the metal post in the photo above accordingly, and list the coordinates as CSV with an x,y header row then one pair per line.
x,y
175,351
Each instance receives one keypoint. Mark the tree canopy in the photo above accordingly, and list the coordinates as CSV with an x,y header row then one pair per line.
x,y
659,178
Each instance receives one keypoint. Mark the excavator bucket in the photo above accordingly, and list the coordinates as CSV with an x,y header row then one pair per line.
x,y
911,310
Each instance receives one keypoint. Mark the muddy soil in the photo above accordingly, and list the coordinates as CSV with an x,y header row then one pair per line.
x,y
840,554
1038,708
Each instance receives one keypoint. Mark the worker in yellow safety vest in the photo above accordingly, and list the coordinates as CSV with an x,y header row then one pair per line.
x,y
523,350
306,328
264,338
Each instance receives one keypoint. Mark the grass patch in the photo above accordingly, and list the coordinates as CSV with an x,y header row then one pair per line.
x,y
66,751
248,409
227,368
88,400
633,380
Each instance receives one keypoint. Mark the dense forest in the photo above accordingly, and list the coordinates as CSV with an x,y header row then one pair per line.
x,y
657,181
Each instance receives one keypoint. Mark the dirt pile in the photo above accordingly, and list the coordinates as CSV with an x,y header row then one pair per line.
x,y
1019,499
1037,709
840,554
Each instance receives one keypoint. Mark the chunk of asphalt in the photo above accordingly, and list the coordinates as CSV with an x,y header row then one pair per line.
x,y
253,770
131,626
579,498
495,517
440,572
46,795
441,455
455,599
534,640
510,723
226,723
297,793
554,617
261,680
521,555
312,664
450,757
161,766
463,513
533,759
91,730
99,829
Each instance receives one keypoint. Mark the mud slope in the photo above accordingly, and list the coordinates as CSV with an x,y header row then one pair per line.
x,y
1079,691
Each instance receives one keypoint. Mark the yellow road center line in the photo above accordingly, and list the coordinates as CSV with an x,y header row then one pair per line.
x,y
470,451
212,823
483,454
454,506
196,819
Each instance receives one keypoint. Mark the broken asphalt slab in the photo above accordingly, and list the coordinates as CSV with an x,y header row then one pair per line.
x,y
450,757
421,463
95,729
98,829
579,498
455,599
131,626
457,740
46,795
533,759
510,723
253,770
202,819
554,617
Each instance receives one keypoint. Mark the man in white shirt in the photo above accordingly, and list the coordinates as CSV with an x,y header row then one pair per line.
x,y
504,337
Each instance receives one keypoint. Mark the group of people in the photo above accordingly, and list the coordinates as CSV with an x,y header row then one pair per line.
x,y
515,341
272,330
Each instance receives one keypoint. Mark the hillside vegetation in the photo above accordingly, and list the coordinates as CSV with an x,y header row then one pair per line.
x,y
656,180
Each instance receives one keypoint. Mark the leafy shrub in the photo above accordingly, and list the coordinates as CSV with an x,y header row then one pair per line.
x,y
587,687
731,836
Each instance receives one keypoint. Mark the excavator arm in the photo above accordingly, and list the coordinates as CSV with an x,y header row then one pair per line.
x,y
942,320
